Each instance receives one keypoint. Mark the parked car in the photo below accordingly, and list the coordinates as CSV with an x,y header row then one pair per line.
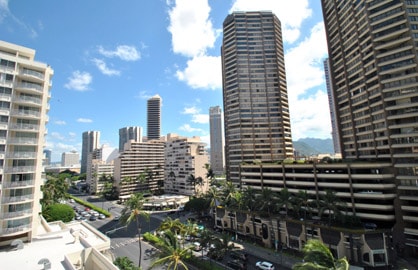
x,y
264,265
101,216
236,264
238,255
93,218
116,218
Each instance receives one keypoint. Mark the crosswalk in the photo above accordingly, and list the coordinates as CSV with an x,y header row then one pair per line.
x,y
124,243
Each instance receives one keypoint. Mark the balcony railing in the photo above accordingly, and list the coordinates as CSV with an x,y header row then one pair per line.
x,y
12,199
13,184
16,214
21,126
21,228
32,73
31,86
22,141
33,100
19,169
28,155
26,113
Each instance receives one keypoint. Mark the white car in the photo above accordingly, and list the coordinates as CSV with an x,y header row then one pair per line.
x,y
264,265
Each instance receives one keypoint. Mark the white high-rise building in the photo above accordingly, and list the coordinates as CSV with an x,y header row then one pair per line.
x,y
69,159
217,157
100,166
127,134
185,157
25,86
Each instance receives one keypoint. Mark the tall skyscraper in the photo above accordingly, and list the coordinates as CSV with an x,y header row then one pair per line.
x,y
331,101
256,110
25,93
154,118
91,141
374,66
217,157
127,134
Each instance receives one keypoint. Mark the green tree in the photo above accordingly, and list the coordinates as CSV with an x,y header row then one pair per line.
x,y
267,200
54,190
318,256
330,203
173,254
169,224
132,212
284,200
58,211
124,263
228,189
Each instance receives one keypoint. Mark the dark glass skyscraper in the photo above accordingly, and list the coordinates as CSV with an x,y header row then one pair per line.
x,y
256,110
154,118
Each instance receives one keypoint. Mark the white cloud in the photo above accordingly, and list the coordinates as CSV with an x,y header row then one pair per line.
x,y
124,52
202,72
188,128
200,118
311,118
191,29
290,13
190,110
144,95
79,81
101,65
60,122
84,120
57,136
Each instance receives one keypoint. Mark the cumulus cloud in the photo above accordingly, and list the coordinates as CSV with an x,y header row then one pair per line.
x,y
101,65
84,120
290,13
190,110
57,136
188,128
202,72
191,29
79,81
123,52
197,117
60,122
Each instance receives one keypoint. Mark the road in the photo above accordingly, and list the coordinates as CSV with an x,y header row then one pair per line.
x,y
124,240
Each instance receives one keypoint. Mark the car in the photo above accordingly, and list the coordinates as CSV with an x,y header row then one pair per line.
x,y
264,265
116,218
101,216
93,218
72,201
197,246
238,255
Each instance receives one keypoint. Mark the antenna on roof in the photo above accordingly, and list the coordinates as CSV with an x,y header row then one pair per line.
x,y
17,244
46,263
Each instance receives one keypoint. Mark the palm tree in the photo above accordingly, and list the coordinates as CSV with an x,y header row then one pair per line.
x,y
318,256
227,191
331,203
172,253
267,201
210,175
173,225
284,200
124,263
132,212
301,202
54,190
199,182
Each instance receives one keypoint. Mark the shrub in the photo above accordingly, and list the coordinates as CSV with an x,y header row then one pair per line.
x,y
58,211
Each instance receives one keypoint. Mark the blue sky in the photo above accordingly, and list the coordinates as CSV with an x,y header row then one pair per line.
x,y
110,56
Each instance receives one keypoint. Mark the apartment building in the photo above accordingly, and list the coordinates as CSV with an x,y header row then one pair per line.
x,y
217,157
154,118
129,133
100,168
140,168
185,157
90,141
372,47
255,101
25,86
69,159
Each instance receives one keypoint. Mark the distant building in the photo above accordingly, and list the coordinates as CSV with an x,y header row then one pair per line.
x,y
256,106
154,118
100,168
140,168
69,159
127,134
217,157
91,141
332,109
184,157
47,157
25,87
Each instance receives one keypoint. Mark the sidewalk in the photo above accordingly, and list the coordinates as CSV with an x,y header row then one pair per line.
x,y
279,258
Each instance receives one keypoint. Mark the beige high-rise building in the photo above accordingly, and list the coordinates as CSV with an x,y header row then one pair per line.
x,y
374,68
256,108
140,168
24,93
100,168
91,141
185,158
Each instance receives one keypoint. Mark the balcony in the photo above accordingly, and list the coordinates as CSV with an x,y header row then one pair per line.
x,y
26,113
15,184
16,199
20,169
27,100
9,215
30,86
19,140
31,74
21,155
28,127
14,230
